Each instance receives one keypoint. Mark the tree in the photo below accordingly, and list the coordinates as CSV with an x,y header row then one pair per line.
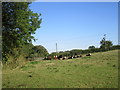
x,y
40,51
105,45
75,52
115,47
19,23
91,47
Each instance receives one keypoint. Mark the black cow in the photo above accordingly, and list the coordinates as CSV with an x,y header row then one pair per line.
x,y
60,57
64,57
89,54
74,56
70,57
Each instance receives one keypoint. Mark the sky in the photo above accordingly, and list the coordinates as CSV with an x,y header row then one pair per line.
x,y
75,25
77,1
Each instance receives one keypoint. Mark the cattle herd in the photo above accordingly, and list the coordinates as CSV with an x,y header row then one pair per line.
x,y
61,57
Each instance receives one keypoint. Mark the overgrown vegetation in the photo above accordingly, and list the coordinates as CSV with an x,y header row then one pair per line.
x,y
20,56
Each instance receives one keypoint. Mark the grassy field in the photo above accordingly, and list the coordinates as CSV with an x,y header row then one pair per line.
x,y
98,71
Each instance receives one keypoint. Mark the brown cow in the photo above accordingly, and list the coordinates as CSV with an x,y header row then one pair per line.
x,y
55,57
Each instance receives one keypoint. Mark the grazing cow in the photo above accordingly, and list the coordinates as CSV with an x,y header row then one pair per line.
x,y
89,54
70,57
64,57
80,55
75,57
60,57
45,58
48,58
55,57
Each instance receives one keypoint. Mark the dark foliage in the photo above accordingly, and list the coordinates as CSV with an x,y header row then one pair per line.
x,y
18,25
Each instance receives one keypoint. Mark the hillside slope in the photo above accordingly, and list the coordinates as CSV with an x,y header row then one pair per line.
x,y
98,71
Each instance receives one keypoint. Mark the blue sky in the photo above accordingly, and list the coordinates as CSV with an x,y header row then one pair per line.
x,y
75,25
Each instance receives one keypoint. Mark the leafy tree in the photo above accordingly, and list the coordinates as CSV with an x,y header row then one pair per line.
x,y
26,49
91,47
75,52
96,50
40,51
19,23
85,51
67,53
105,45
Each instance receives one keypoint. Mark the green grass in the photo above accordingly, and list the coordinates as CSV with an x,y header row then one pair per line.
x,y
98,71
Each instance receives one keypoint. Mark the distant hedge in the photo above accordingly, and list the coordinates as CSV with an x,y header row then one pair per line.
x,y
80,51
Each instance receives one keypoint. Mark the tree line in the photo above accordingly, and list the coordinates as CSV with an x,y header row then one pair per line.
x,y
105,45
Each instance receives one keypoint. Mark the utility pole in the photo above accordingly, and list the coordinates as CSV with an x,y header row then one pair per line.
x,y
56,48
105,41
105,36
